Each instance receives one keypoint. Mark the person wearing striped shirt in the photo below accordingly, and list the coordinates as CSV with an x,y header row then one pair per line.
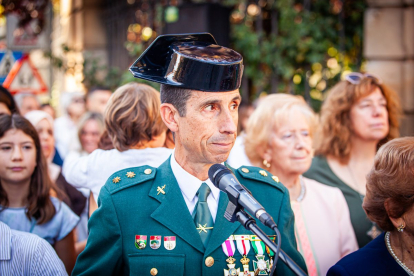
x,y
23,253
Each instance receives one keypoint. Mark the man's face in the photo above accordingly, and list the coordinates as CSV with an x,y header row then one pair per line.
x,y
97,101
208,131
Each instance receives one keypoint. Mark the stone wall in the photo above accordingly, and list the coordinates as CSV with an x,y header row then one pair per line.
x,y
389,50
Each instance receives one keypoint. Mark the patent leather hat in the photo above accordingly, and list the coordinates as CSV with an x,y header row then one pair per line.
x,y
191,61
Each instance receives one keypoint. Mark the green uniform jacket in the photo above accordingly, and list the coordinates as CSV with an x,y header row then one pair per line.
x,y
133,206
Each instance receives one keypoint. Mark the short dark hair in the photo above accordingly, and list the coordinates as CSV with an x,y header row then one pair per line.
x,y
176,96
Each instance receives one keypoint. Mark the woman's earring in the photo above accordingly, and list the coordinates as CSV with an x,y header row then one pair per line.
x,y
401,228
266,163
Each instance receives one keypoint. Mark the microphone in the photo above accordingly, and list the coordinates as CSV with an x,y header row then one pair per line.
x,y
224,179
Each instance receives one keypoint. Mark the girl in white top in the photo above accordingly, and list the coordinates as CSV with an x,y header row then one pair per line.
x,y
279,139
133,122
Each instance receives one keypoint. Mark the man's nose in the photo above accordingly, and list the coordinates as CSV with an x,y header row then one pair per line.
x,y
228,122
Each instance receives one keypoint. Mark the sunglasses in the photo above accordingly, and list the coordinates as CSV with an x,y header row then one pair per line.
x,y
355,78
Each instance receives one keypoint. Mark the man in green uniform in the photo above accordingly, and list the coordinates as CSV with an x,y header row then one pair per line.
x,y
169,220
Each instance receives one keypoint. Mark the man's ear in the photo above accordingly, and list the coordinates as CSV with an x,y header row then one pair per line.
x,y
169,115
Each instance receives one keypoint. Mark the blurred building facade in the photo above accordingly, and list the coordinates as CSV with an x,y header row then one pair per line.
x,y
389,50
98,28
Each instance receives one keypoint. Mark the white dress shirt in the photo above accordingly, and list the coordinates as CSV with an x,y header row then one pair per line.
x,y
189,186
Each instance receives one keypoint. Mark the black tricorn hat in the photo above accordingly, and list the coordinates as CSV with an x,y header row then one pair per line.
x,y
191,61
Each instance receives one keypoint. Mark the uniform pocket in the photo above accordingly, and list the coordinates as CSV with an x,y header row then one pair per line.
x,y
156,264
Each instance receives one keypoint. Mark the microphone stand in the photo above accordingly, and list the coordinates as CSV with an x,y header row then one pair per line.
x,y
236,211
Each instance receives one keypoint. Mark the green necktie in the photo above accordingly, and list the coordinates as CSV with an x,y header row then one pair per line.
x,y
202,216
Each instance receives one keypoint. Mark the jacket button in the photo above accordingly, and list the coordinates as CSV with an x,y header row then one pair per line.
x,y
154,271
209,261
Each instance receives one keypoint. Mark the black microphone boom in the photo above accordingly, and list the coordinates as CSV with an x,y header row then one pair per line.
x,y
224,179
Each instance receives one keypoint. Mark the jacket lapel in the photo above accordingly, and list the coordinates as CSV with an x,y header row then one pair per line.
x,y
172,211
222,227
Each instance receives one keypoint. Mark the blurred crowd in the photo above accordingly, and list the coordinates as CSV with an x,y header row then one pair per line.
x,y
349,176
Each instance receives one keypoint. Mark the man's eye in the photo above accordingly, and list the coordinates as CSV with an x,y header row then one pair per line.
x,y
6,148
209,107
234,106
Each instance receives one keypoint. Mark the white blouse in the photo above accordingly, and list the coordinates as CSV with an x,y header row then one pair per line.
x,y
92,171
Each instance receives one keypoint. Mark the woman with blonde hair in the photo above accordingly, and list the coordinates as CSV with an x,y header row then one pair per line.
x,y
359,114
279,139
133,122
90,128
389,202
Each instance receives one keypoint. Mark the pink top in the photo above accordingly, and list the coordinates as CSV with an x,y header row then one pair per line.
x,y
323,226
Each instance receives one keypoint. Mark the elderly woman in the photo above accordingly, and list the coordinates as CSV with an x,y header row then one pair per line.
x,y
389,202
133,122
279,139
43,124
90,128
359,114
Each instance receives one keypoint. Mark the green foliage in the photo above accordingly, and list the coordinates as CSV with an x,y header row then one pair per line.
x,y
128,77
299,49
314,46
96,74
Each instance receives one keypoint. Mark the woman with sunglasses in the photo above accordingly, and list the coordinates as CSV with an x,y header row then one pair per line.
x,y
358,116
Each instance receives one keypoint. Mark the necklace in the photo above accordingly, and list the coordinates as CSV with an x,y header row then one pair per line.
x,y
302,190
388,243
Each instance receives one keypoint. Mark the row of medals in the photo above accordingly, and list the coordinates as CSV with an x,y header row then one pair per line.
x,y
261,266
155,242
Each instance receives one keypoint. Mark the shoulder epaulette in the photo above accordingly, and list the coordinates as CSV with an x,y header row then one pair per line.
x,y
255,173
129,177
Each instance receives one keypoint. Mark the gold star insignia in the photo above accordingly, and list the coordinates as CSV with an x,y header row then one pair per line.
x,y
203,228
161,190
275,178
262,172
130,174
116,179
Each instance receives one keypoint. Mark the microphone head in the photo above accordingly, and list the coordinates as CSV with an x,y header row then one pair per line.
x,y
213,172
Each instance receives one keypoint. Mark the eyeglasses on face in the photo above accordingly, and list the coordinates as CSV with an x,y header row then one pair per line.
x,y
355,78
